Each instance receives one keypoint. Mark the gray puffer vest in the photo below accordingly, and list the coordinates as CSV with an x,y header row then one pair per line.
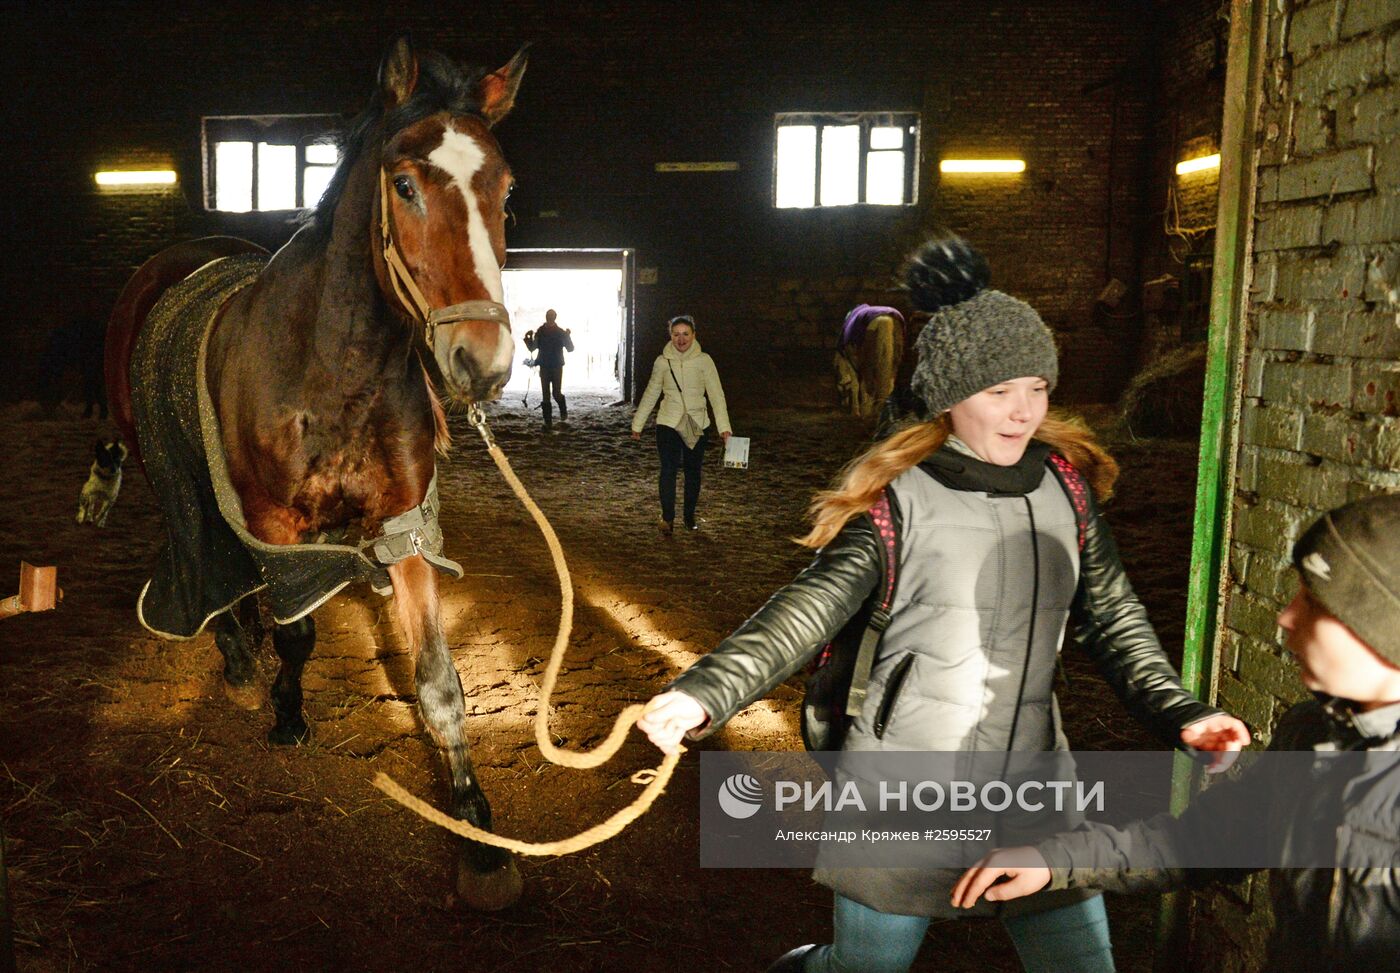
x,y
985,587
986,581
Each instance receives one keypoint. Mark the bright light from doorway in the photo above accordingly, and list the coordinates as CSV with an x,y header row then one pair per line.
x,y
1198,165
589,304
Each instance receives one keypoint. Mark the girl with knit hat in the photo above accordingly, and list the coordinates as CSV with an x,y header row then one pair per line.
x,y
991,563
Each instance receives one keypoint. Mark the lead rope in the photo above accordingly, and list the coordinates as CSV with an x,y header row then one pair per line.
x,y
655,780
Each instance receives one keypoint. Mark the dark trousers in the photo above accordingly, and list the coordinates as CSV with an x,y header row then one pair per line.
x,y
675,456
550,378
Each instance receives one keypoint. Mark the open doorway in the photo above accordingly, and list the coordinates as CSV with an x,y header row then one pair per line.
x,y
590,292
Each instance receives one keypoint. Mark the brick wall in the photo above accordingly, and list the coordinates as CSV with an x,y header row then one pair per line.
x,y
1321,411
613,88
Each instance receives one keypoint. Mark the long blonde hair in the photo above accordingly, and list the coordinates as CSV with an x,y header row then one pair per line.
x,y
860,482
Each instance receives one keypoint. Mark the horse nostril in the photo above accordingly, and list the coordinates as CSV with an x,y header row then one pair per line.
x,y
488,389
461,362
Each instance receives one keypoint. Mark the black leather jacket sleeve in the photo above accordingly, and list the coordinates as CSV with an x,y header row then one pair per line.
x,y
789,630
1251,809
1342,918
1149,855
1119,638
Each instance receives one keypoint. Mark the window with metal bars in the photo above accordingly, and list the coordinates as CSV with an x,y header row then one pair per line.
x,y
845,159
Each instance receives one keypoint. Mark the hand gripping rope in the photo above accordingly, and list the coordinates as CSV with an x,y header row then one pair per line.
x,y
655,781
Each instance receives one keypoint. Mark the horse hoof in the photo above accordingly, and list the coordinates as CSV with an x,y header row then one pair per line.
x,y
248,696
489,891
289,736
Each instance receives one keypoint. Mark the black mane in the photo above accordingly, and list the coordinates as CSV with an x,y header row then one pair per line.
x,y
442,86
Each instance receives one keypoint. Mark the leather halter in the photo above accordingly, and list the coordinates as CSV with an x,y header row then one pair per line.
x,y
412,298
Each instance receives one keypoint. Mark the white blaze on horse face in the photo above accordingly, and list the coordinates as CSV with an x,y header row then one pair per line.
x,y
461,157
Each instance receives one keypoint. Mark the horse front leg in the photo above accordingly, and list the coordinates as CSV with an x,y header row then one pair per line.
x,y
487,877
294,643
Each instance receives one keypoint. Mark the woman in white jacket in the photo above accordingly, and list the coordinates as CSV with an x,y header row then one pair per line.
x,y
683,377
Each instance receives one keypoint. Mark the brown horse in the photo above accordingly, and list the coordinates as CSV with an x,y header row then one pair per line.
x,y
317,368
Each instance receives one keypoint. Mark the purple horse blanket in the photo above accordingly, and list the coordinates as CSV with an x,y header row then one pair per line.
x,y
853,331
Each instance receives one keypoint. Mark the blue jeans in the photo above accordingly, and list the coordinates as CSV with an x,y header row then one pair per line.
x,y
1072,938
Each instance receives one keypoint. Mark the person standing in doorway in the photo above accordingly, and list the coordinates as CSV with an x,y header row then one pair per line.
x,y
549,344
682,378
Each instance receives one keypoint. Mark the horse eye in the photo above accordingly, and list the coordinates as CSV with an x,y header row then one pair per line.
x,y
404,187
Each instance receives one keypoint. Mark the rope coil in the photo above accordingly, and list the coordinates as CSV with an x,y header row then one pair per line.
x,y
655,780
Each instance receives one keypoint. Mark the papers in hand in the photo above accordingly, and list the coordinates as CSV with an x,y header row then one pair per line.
x,y
736,452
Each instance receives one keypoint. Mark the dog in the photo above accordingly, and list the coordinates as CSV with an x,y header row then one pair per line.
x,y
103,483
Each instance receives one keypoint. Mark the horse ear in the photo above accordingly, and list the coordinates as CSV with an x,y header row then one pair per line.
x,y
398,72
497,89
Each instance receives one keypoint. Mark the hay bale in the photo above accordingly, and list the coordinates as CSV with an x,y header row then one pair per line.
x,y
1165,398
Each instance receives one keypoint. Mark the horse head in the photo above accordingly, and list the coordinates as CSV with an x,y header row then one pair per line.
x,y
441,212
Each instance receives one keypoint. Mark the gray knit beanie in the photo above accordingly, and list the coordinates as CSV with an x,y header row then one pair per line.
x,y
1350,561
975,337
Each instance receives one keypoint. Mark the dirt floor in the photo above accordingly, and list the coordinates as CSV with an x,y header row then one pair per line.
x,y
150,826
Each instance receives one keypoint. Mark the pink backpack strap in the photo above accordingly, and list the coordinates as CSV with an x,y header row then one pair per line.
x,y
1076,488
884,528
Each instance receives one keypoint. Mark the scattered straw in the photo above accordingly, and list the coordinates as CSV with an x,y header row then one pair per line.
x,y
151,816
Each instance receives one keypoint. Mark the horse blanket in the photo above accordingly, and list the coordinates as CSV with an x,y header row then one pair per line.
x,y
853,329
868,357
210,561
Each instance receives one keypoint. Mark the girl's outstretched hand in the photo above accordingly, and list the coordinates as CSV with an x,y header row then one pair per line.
x,y
667,717
1023,868
1223,734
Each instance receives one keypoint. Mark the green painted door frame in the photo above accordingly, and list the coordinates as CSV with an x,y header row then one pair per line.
x,y
1221,415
